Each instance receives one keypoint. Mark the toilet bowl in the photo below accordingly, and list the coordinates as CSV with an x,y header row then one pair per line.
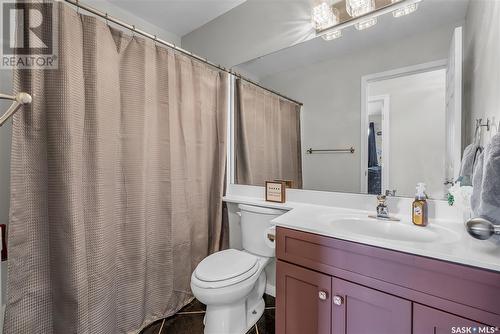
x,y
231,283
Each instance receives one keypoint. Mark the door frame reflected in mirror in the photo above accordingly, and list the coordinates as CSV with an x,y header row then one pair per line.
x,y
386,103
365,99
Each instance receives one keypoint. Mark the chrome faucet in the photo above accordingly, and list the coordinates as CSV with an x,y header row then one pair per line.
x,y
382,211
390,193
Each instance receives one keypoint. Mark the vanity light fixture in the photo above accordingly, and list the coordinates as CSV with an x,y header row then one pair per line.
x,y
324,16
402,11
367,15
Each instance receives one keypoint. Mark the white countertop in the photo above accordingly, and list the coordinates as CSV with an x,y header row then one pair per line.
x,y
458,248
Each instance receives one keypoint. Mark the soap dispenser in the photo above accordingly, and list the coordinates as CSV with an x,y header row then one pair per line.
x,y
419,207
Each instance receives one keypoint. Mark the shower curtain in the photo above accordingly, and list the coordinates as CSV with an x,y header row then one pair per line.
x,y
117,178
267,137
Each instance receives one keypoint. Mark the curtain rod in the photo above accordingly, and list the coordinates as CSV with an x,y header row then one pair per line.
x,y
133,28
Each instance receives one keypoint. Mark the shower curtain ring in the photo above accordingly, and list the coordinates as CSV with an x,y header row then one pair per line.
x,y
77,7
133,30
154,39
107,22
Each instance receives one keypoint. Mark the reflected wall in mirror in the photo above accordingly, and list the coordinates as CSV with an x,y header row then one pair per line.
x,y
392,92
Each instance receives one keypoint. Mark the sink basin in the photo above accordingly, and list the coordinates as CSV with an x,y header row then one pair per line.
x,y
390,230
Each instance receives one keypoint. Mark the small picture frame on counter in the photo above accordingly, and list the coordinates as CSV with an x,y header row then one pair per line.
x,y
276,191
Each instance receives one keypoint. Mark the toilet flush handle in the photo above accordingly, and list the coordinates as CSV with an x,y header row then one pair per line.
x,y
270,237
271,233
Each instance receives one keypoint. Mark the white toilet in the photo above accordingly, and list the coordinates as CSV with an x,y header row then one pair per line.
x,y
232,282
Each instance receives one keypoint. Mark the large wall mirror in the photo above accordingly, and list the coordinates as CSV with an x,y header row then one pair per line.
x,y
375,111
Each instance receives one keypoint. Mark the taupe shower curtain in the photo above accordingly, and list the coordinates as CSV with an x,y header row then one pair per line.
x,y
267,137
117,179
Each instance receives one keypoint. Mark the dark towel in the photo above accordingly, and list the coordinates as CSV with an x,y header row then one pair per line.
x,y
372,147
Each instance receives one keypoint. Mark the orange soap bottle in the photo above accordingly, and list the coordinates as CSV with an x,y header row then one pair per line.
x,y
420,210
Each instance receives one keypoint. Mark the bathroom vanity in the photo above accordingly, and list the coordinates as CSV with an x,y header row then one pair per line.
x,y
329,285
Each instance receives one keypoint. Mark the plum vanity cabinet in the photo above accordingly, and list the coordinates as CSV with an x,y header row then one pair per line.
x,y
331,286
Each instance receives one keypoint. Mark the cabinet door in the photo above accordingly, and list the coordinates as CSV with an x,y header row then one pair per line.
x,y
427,320
360,310
303,302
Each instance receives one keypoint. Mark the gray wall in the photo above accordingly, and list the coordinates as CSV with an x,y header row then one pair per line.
x,y
5,140
331,95
253,29
482,64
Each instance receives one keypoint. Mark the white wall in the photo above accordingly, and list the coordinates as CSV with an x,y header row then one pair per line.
x,y
482,64
132,18
331,93
253,29
416,131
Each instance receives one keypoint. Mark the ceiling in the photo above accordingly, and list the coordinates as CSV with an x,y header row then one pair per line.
x,y
179,17
431,15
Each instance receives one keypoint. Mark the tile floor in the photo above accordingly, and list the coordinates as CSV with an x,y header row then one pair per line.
x,y
189,320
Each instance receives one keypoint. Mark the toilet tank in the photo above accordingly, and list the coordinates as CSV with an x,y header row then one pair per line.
x,y
255,221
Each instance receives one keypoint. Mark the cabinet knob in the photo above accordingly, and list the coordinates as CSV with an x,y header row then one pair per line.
x,y
338,300
323,295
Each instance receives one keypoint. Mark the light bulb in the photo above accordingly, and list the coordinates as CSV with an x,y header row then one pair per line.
x,y
357,8
404,10
324,16
331,35
365,24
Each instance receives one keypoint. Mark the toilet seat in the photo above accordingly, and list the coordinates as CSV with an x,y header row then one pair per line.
x,y
225,268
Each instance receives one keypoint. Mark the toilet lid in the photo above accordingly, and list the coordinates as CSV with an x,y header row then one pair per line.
x,y
226,265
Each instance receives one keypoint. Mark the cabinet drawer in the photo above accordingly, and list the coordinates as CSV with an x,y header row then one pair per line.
x,y
466,291
427,320
303,300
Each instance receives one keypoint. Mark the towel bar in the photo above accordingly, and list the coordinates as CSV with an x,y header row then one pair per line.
x,y
338,150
